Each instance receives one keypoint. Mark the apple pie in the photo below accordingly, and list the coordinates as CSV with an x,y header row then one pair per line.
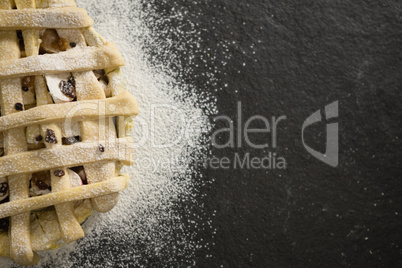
x,y
64,124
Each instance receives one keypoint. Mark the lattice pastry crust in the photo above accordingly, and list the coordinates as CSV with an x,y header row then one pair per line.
x,y
64,118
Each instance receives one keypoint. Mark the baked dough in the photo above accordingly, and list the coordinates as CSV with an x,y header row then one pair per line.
x,y
33,126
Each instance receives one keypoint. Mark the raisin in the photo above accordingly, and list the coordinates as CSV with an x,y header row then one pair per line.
x,y
41,179
72,44
68,87
18,106
70,140
101,148
39,138
50,136
59,173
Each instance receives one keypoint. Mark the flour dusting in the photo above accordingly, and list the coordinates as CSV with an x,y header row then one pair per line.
x,y
170,132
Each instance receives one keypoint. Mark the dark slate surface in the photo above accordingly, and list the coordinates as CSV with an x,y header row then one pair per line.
x,y
307,55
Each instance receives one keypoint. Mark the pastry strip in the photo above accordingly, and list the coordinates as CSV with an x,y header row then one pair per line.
x,y
62,18
70,228
122,104
88,88
106,187
67,156
14,143
116,85
85,59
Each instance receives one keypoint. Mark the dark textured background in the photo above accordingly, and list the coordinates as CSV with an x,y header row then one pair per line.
x,y
307,55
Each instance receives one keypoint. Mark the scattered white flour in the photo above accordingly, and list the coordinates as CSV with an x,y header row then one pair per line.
x,y
145,227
